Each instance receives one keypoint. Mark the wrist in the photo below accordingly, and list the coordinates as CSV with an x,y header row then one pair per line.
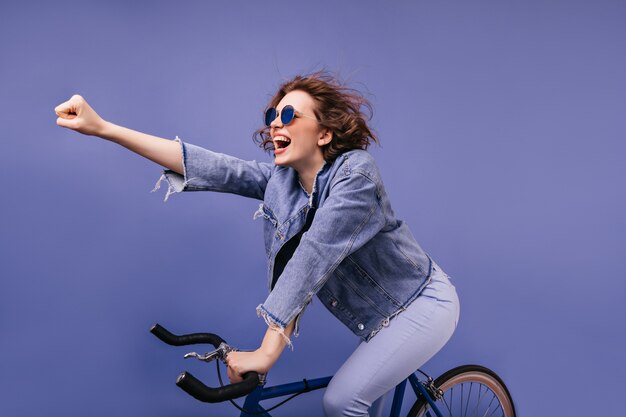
x,y
268,354
106,130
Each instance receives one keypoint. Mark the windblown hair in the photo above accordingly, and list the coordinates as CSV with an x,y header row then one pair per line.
x,y
337,108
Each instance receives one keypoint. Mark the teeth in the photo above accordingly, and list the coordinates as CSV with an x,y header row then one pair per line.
x,y
281,142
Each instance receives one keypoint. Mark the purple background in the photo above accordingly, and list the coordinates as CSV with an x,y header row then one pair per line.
x,y
503,143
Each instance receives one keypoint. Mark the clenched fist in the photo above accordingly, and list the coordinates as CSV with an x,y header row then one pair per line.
x,y
77,115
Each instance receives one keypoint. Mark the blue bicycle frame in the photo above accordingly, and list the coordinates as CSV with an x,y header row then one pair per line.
x,y
258,393
426,392
252,403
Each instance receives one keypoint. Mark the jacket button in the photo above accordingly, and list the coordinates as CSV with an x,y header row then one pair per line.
x,y
333,303
360,326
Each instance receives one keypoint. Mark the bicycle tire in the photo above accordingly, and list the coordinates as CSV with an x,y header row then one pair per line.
x,y
487,388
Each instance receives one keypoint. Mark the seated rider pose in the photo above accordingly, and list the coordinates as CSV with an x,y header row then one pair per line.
x,y
329,231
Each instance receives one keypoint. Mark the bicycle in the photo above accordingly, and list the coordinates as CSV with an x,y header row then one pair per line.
x,y
467,390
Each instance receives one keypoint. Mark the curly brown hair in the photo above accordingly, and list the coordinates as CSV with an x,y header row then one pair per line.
x,y
337,108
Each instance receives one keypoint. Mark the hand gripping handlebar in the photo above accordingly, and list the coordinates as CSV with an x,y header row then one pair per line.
x,y
193,386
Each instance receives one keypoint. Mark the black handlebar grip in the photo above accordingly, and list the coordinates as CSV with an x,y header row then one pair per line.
x,y
185,339
194,387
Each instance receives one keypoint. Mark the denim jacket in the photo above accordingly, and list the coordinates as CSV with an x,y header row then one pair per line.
x,y
363,264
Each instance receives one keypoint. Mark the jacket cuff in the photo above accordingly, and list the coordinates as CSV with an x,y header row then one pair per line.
x,y
176,183
274,323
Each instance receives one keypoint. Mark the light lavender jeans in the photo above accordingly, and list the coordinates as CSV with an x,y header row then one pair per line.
x,y
412,337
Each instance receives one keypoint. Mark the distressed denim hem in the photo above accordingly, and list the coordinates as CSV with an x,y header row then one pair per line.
x,y
274,324
175,182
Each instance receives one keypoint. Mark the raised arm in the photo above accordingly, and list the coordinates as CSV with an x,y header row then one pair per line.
x,y
76,114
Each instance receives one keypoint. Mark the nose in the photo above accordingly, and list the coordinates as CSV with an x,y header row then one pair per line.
x,y
276,123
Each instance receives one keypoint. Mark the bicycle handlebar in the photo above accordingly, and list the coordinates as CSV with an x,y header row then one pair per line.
x,y
193,386
185,339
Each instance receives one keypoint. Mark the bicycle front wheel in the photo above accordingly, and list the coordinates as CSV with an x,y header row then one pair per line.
x,y
468,390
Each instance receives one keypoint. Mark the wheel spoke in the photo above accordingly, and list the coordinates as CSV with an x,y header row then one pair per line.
x,y
462,396
496,409
469,395
480,394
448,406
489,406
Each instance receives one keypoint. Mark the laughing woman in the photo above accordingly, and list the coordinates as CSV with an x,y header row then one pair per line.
x,y
329,231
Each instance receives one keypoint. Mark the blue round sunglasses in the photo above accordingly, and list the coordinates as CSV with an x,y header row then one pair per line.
x,y
287,115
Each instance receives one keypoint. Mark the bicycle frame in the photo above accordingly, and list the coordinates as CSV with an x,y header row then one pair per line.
x,y
252,402
258,393
427,392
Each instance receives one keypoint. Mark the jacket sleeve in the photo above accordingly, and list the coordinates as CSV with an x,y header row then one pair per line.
x,y
349,218
205,170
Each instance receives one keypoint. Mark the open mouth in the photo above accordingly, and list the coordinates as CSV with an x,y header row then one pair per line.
x,y
281,142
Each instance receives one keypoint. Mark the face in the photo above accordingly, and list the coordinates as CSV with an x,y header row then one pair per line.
x,y
299,144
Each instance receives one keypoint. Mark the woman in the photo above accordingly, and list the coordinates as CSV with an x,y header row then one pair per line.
x,y
329,231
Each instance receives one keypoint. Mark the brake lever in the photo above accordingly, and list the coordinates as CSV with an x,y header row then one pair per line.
x,y
207,357
220,353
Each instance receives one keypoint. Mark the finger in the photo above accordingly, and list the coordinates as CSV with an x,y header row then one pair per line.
x,y
234,376
62,107
70,107
67,115
69,123
231,375
64,110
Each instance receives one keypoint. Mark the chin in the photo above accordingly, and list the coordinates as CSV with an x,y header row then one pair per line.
x,y
280,163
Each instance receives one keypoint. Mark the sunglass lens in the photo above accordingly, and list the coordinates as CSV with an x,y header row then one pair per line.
x,y
270,115
287,114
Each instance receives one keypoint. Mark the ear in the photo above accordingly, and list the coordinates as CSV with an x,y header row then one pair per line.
x,y
325,137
